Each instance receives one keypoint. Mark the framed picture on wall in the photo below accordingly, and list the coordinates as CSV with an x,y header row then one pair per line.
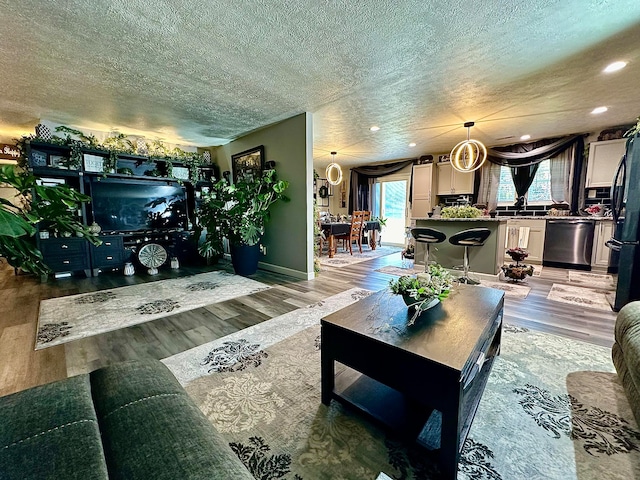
x,y
248,165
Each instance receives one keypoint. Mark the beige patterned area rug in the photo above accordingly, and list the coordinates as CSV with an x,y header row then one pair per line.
x,y
592,280
510,289
410,269
580,296
73,317
553,409
342,259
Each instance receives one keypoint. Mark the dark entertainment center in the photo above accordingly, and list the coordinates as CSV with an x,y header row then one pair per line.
x,y
135,204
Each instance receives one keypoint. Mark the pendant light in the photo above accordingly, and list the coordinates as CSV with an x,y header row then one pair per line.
x,y
333,171
468,155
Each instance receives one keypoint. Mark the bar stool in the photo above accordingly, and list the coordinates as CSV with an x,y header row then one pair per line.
x,y
474,237
427,236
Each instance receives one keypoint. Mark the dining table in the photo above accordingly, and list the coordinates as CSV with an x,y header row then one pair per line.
x,y
333,229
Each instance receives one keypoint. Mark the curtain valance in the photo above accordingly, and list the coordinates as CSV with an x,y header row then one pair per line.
x,y
360,191
524,155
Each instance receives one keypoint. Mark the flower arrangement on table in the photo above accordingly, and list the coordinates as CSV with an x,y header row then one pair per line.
x,y
424,290
517,272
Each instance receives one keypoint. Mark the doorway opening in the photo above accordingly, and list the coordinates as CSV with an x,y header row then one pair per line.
x,y
390,202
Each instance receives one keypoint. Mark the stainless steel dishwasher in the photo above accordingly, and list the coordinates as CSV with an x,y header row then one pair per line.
x,y
568,243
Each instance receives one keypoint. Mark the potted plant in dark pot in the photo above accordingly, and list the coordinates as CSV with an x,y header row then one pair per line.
x,y
239,212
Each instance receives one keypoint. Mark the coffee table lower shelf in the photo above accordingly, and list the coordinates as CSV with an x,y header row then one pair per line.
x,y
399,415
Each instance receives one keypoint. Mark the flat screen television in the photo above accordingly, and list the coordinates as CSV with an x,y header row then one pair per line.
x,y
133,206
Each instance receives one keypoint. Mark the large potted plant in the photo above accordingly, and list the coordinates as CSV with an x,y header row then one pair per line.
x,y
239,212
33,204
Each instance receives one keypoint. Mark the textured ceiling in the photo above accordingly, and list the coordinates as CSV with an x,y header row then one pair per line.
x,y
204,72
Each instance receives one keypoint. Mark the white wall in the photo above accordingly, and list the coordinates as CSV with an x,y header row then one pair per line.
x,y
289,233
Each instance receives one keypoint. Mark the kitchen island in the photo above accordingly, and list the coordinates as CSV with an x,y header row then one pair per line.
x,y
486,259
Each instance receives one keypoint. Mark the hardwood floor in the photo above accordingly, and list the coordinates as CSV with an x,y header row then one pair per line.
x,y
22,367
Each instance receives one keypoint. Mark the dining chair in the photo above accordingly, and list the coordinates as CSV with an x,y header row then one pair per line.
x,y
365,219
355,232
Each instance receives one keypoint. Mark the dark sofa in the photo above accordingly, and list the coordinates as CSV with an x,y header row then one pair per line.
x,y
128,421
626,353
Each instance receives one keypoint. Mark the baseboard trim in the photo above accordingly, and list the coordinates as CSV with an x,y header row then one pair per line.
x,y
286,271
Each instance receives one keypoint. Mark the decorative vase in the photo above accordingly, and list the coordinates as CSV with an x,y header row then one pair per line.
x,y
94,228
43,132
412,303
129,269
175,264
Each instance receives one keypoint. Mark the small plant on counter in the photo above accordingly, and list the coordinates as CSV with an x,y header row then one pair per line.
x,y
463,211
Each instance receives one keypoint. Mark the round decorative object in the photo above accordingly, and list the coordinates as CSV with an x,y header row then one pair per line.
x,y
152,256
95,228
323,192
334,174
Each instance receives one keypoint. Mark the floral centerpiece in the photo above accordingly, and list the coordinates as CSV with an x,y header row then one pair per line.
x,y
424,290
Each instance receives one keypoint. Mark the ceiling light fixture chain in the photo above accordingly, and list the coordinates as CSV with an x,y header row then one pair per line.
x,y
333,171
468,155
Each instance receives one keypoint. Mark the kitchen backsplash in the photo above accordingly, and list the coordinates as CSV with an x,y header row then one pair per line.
x,y
600,195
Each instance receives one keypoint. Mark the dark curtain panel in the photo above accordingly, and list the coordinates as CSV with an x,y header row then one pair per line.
x,y
359,194
522,180
526,154
580,174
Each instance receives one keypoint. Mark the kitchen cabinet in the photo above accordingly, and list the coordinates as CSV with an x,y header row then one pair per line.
x,y
603,160
453,182
603,232
527,234
421,190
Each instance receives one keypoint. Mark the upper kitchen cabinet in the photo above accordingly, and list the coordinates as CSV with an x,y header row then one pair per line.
x,y
603,160
453,182
422,184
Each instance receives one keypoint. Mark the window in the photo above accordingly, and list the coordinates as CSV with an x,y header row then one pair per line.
x,y
539,192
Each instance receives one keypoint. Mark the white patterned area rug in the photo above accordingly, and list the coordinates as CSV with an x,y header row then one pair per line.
x,y
592,280
553,409
223,353
73,317
510,289
580,296
342,259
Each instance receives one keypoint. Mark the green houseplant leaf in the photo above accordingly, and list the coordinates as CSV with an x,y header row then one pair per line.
x,y
55,206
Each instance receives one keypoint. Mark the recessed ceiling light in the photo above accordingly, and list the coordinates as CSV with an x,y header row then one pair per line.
x,y
374,128
614,67
412,144
525,137
597,110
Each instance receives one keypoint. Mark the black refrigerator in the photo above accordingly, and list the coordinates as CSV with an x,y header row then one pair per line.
x,y
625,200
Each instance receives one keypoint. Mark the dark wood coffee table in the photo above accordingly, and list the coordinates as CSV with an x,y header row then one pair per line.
x,y
423,381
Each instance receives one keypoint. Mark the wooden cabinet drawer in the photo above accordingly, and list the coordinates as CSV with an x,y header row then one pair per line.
x,y
109,254
67,263
63,247
65,254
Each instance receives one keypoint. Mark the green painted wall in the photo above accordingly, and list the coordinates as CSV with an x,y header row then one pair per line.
x,y
289,234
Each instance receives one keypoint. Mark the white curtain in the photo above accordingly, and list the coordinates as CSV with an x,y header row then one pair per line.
x,y
560,168
489,182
